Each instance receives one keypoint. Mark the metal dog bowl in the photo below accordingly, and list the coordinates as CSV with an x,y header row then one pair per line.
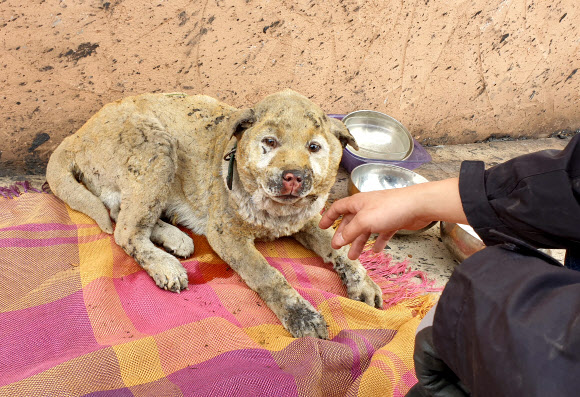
x,y
379,136
461,240
375,176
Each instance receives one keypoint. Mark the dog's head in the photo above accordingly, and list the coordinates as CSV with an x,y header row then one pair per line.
x,y
288,151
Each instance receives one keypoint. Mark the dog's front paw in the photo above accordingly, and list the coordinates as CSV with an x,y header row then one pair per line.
x,y
366,291
170,275
303,320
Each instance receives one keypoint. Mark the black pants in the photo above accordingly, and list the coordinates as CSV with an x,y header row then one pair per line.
x,y
508,323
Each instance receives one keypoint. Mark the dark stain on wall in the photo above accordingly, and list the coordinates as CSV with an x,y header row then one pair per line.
x,y
33,163
83,50
39,139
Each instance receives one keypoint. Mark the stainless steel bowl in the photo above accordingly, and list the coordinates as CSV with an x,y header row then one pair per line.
x,y
379,136
461,240
374,176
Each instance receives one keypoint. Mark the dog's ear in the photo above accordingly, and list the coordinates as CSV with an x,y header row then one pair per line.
x,y
339,130
242,120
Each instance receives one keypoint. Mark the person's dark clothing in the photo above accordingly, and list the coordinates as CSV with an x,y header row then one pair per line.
x,y
508,321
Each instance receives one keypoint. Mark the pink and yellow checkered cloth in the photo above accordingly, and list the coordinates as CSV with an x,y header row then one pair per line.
x,y
80,317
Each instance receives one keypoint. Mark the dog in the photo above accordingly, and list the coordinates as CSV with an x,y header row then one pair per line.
x,y
233,175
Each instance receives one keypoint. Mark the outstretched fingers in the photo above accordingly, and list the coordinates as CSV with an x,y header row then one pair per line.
x,y
356,230
338,208
358,245
382,241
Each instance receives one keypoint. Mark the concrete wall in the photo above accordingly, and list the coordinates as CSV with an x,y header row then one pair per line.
x,y
452,71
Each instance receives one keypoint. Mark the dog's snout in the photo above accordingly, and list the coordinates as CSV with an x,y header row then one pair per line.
x,y
292,176
292,181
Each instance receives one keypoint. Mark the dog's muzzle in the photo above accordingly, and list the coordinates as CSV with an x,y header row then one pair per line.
x,y
291,184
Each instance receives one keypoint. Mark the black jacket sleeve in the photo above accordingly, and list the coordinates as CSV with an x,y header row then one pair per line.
x,y
534,197
508,320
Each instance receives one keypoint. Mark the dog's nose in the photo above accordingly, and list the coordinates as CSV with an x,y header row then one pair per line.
x,y
292,181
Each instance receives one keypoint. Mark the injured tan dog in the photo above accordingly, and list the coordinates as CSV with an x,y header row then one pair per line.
x,y
158,156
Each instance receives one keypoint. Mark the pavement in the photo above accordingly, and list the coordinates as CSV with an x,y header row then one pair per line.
x,y
425,251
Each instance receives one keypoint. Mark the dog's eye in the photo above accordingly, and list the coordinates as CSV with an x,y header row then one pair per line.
x,y
313,147
270,142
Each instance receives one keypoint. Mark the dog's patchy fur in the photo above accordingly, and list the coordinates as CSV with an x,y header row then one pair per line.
x,y
158,156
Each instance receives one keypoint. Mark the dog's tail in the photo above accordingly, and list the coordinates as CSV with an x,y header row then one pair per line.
x,y
62,182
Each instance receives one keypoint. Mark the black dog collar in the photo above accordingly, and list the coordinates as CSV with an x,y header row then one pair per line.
x,y
231,157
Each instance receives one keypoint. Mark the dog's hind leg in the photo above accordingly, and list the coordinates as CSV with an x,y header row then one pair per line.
x,y
133,233
172,239
144,195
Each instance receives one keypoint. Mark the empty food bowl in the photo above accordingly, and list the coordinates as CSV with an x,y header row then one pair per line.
x,y
379,136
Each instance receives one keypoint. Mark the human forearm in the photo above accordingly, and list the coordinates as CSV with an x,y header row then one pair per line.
x,y
440,201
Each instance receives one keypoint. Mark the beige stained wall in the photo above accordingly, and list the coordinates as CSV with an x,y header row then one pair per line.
x,y
452,71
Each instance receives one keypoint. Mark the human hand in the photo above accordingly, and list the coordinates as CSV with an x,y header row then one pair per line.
x,y
383,212
386,211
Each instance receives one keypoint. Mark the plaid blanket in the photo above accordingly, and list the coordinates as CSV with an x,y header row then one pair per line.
x,y
79,317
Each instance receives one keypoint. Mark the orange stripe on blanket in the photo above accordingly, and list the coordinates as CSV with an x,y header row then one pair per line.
x,y
194,343
110,323
146,368
96,259
387,372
